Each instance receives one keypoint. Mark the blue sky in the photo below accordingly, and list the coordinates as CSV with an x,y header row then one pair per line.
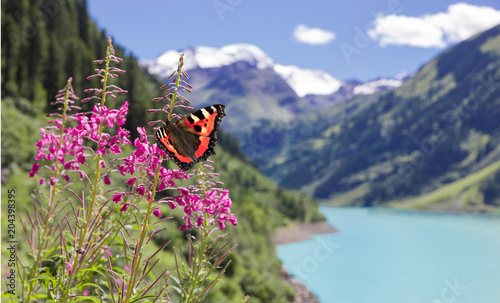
x,y
357,39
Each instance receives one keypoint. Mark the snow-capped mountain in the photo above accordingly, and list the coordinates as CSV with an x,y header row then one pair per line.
x,y
302,81
208,57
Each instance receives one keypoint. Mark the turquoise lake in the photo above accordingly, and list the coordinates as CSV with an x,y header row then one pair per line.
x,y
394,256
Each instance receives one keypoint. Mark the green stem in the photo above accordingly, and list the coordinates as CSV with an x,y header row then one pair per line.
x,y
98,166
51,197
201,257
76,268
177,83
145,226
138,248
203,247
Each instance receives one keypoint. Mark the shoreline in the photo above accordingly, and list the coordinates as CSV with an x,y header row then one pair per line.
x,y
301,232
302,293
298,233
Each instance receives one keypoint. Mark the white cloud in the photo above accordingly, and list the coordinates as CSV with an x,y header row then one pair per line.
x,y
312,35
459,22
403,30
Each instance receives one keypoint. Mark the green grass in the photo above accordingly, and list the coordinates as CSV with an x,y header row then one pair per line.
x,y
446,194
346,198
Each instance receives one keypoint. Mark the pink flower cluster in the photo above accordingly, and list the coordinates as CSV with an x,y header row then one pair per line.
x,y
68,148
52,147
59,143
146,159
216,203
101,115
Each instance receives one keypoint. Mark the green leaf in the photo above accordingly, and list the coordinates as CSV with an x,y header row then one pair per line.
x,y
91,270
82,286
143,298
87,298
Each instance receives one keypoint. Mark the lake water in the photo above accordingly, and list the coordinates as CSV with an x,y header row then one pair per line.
x,y
395,256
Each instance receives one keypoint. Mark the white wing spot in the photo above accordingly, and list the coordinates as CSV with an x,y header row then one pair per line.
x,y
205,112
195,119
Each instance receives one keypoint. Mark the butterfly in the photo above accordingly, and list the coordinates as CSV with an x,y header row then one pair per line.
x,y
193,138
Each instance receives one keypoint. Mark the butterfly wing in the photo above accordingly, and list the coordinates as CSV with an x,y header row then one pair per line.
x,y
184,161
204,122
193,138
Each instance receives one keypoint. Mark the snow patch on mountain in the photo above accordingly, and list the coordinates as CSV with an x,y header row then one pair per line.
x,y
308,81
208,57
372,87
213,57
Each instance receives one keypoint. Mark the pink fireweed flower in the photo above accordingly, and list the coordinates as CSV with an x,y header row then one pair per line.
x,y
217,204
143,135
81,159
64,148
69,267
128,165
53,180
122,113
124,207
166,176
89,128
188,224
36,167
131,181
157,212
184,191
171,204
117,197
141,189
147,160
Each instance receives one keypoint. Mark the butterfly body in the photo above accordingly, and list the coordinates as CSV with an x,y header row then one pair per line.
x,y
193,138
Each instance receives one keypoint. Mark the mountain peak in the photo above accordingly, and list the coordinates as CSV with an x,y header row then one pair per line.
x,y
209,57
308,81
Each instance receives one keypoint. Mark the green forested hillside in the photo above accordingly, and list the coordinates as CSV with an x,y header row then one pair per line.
x,y
43,45
46,42
439,127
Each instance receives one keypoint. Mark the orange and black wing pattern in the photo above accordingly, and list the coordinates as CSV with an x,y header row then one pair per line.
x,y
193,138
